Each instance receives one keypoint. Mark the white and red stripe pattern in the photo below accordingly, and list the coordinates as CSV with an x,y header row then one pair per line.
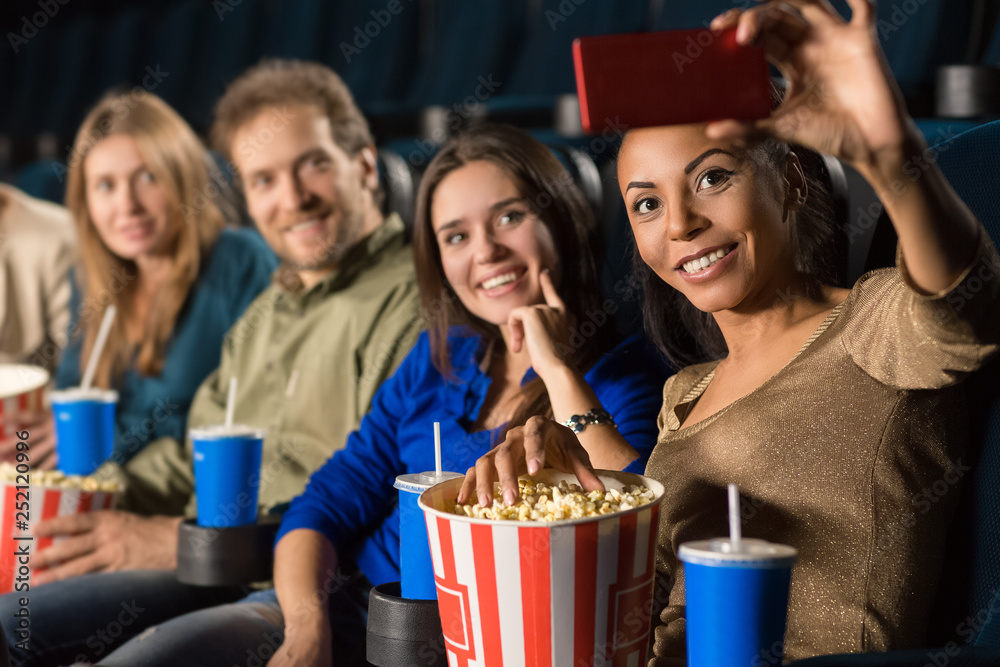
x,y
575,593
22,388
43,502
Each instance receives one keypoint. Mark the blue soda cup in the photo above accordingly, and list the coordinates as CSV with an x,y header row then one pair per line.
x,y
736,601
227,474
85,428
416,568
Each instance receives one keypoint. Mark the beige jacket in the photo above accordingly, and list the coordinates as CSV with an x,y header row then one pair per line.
x,y
37,250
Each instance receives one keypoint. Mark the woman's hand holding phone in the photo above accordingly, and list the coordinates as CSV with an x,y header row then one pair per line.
x,y
843,101
841,98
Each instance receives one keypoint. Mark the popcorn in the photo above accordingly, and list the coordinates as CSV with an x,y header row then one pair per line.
x,y
541,502
58,480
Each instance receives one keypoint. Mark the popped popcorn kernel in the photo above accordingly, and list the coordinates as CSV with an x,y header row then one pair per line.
x,y
57,479
541,502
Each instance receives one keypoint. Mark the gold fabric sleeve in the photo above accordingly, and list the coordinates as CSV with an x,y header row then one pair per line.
x,y
911,341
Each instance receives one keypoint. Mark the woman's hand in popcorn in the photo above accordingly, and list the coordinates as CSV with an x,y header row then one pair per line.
x,y
105,541
538,444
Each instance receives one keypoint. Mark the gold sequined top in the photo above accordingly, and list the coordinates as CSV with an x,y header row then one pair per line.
x,y
851,453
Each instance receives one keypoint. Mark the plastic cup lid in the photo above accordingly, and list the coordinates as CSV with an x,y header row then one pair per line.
x,y
19,378
75,394
752,553
420,482
221,431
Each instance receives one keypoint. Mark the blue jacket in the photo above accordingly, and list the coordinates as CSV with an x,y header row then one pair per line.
x,y
351,499
237,269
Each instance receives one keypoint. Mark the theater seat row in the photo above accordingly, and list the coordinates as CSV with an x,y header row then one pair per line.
x,y
398,56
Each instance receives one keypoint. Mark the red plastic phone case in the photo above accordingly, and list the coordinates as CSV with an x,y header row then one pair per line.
x,y
667,78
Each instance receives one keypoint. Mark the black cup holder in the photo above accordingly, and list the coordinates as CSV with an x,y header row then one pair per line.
x,y
226,556
403,632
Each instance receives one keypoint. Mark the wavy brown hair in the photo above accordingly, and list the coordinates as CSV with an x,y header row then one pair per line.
x,y
178,161
549,191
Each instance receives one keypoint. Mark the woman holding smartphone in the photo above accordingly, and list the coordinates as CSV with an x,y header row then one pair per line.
x,y
153,243
830,408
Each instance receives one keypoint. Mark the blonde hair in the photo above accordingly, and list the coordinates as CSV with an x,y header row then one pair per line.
x,y
178,161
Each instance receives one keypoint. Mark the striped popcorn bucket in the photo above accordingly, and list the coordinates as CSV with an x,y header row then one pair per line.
x,y
22,389
575,592
21,509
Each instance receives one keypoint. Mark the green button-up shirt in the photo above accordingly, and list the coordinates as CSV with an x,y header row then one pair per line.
x,y
307,363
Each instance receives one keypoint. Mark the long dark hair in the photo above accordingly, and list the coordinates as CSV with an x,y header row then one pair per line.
x,y
549,191
687,335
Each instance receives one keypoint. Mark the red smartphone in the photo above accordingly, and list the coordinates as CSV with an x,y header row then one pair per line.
x,y
667,78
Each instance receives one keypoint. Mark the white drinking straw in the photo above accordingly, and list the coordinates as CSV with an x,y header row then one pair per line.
x,y
437,448
734,517
95,352
231,402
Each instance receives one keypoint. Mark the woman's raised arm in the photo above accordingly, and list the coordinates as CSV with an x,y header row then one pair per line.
x,y
843,101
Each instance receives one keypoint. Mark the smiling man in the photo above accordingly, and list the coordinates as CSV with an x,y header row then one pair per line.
x,y
309,353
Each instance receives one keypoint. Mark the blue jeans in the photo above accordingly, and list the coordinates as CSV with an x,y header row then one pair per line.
x,y
247,633
85,618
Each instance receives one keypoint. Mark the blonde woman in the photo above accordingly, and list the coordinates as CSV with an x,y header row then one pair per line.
x,y
153,243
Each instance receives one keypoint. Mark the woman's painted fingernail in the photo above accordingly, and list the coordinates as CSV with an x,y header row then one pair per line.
x,y
532,466
742,33
484,500
508,497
